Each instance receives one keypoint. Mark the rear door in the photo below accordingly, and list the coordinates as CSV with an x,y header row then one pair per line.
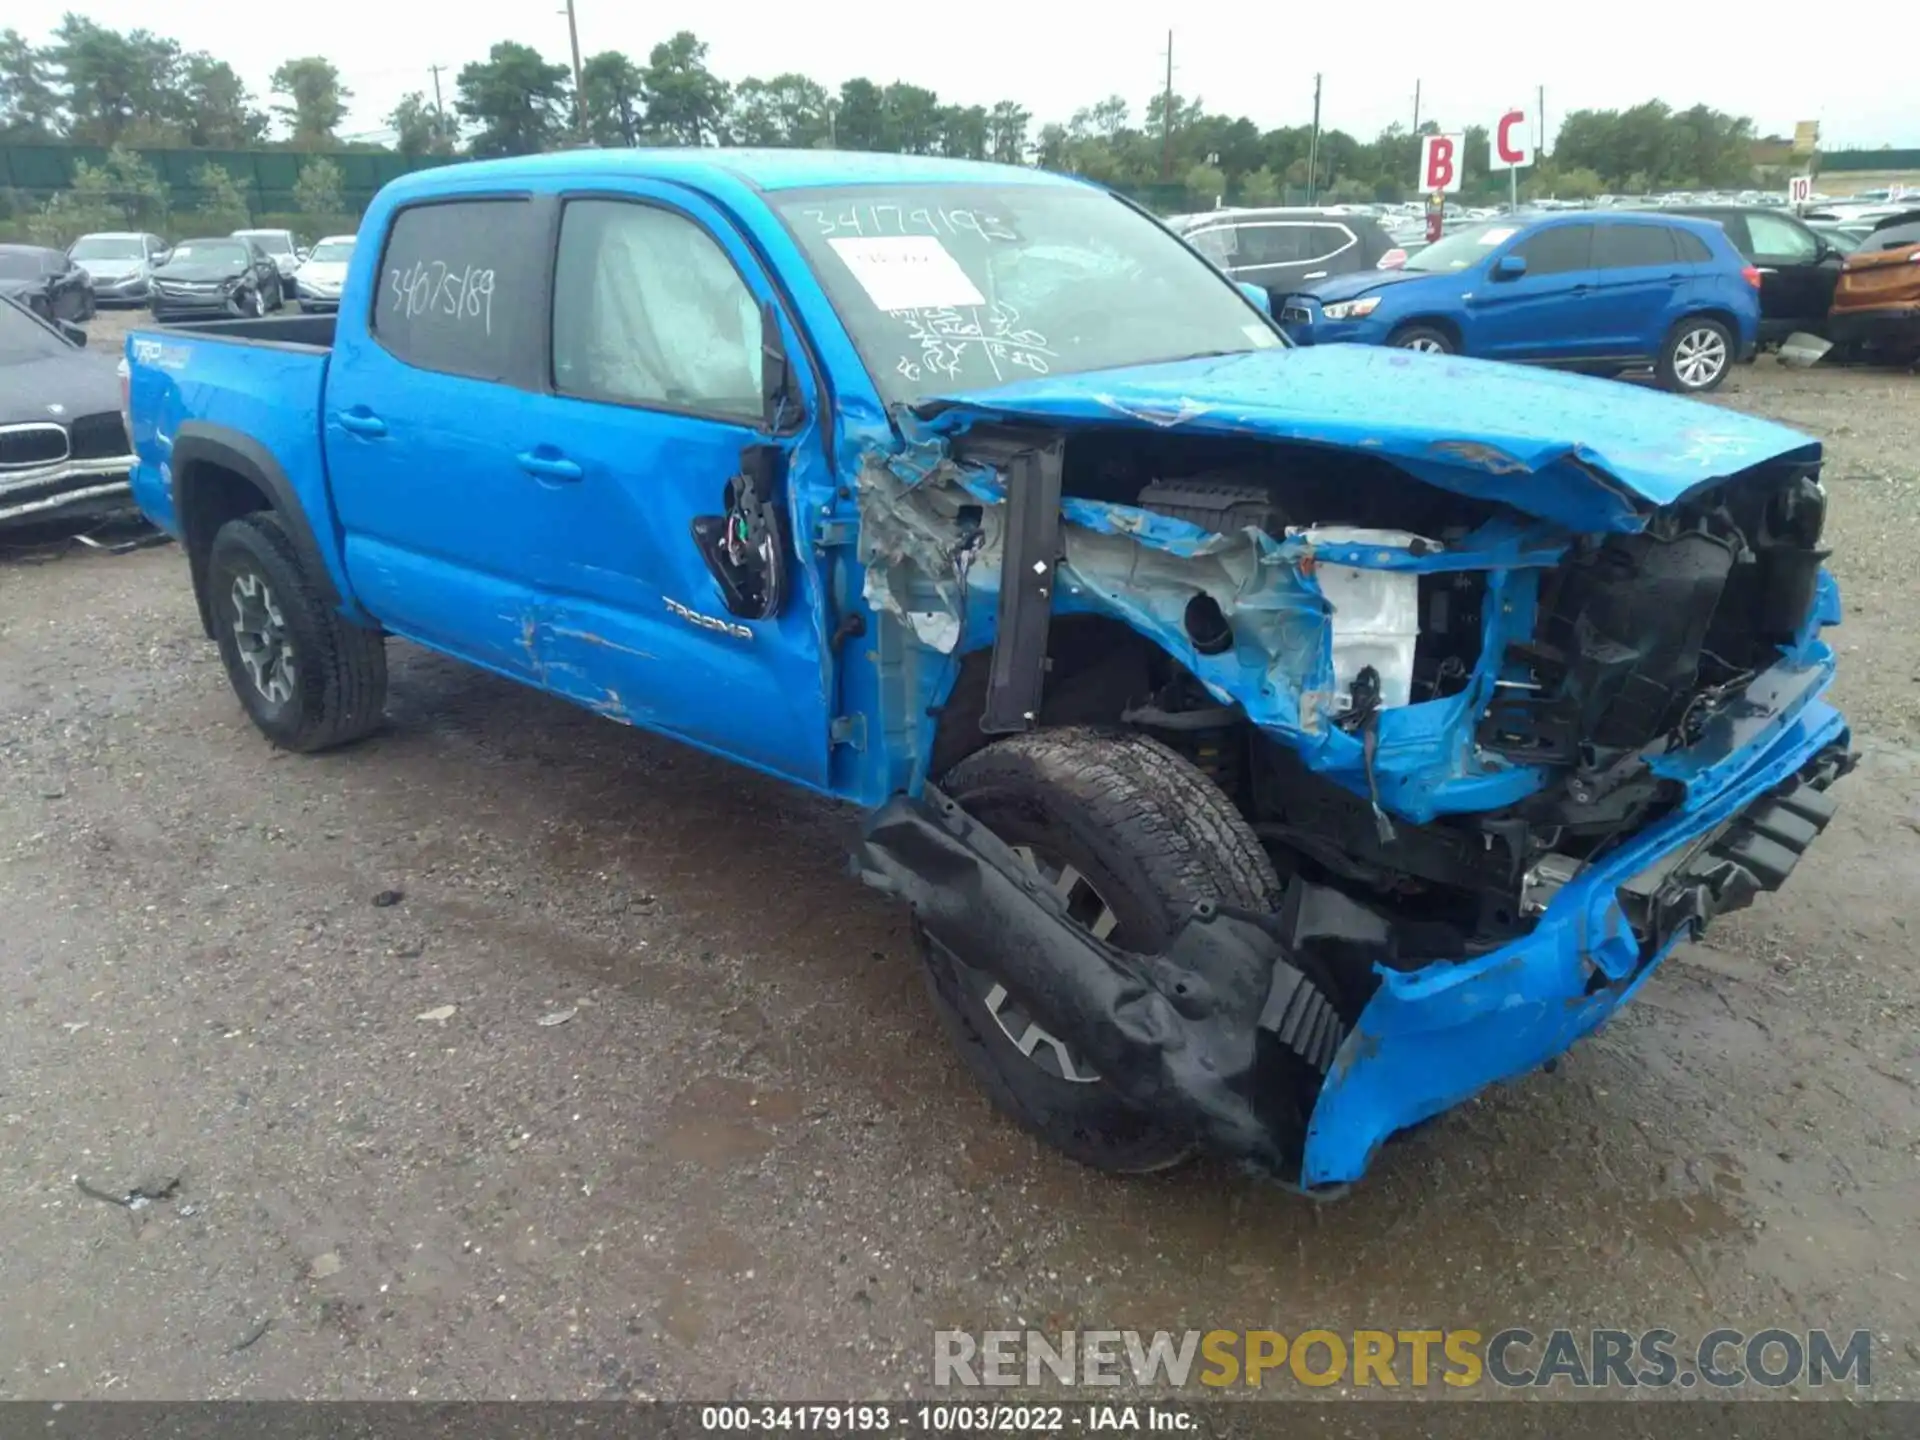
x,y
654,406
1797,274
1637,275
423,418
1543,315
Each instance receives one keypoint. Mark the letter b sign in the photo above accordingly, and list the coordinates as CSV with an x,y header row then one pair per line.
x,y
1440,163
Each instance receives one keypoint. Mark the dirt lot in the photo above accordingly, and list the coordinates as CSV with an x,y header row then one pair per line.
x,y
745,1161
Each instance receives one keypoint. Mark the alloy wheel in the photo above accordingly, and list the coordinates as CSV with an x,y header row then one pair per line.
x,y
1699,357
261,637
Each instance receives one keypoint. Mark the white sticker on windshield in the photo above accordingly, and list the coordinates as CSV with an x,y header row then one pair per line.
x,y
1498,233
907,272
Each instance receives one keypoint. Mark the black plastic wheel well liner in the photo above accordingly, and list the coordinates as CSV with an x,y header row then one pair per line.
x,y
1018,670
205,459
1222,1034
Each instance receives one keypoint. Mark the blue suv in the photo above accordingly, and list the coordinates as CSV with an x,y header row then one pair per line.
x,y
1594,292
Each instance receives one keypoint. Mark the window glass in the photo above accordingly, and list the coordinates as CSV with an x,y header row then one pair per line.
x,y
1219,243
1326,241
1693,250
948,288
1558,250
1273,244
453,284
1895,237
1779,239
648,309
1624,247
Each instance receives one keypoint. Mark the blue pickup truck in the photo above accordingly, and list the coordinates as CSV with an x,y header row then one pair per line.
x,y
1274,745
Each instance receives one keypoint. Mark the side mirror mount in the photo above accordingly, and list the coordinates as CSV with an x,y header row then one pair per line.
x,y
1258,296
1509,267
76,333
745,546
780,406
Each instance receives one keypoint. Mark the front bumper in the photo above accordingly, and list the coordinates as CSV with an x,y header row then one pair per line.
x,y
128,290
1224,1035
167,307
313,299
72,487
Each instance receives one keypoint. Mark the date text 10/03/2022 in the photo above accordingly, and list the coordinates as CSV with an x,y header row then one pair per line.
x,y
947,1419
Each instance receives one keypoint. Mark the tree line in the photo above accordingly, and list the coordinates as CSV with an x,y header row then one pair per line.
x,y
95,85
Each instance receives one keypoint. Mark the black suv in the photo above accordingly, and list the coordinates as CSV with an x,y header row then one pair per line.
x,y
1283,249
1798,266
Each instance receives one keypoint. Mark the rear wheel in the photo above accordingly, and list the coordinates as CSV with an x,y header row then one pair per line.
x,y
1425,338
1131,836
1696,357
307,678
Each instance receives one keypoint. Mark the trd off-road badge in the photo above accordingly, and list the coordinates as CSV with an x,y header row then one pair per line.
x,y
708,622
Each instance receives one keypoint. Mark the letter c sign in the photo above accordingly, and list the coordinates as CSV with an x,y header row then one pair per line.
x,y
1511,141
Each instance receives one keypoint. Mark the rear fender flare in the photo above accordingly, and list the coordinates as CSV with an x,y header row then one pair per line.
x,y
199,450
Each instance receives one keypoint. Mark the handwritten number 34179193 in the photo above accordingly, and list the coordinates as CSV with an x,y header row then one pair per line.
x,y
437,288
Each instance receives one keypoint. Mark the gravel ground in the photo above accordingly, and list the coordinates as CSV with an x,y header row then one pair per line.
x,y
513,1053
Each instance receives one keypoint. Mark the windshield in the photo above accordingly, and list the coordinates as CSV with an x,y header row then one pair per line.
x,y
23,338
272,243
207,252
106,247
20,265
1460,249
964,287
334,252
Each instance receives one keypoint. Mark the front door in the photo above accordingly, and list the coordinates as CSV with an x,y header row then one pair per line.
x,y
1545,314
655,399
1797,275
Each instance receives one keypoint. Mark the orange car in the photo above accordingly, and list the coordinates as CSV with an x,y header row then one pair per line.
x,y
1876,305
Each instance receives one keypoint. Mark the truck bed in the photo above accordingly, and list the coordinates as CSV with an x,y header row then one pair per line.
x,y
312,332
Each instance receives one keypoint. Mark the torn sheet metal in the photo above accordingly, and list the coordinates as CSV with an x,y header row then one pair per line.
x,y
1490,432
1235,1054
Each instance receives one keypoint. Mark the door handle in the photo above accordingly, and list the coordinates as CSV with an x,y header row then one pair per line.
x,y
1767,270
362,421
1315,275
548,467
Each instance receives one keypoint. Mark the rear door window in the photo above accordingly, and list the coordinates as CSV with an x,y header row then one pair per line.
x,y
1693,250
1558,251
1629,247
454,286
1894,237
1326,241
1272,244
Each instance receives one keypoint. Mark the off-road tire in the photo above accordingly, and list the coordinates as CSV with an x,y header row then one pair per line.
x,y
338,686
1422,337
1154,836
1667,370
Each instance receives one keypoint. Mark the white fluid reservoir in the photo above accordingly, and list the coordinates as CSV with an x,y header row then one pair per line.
x,y
1376,613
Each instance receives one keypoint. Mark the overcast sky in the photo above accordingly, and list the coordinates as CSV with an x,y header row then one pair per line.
x,y
1056,57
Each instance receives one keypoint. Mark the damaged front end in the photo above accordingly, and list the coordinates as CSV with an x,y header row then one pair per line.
x,y
1512,716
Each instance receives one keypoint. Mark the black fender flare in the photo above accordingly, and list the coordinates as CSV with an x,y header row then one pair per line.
x,y
198,446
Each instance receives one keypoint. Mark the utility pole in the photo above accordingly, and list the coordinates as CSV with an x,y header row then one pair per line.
x,y
1416,109
1540,119
579,92
438,109
1313,146
1166,119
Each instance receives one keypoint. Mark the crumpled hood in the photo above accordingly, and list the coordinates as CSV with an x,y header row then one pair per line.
x,y
1594,455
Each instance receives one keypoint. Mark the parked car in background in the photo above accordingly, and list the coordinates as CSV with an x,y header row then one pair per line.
x,y
1282,249
120,263
214,277
1843,236
46,282
1516,678
1876,307
63,443
283,249
1798,266
323,272
1585,290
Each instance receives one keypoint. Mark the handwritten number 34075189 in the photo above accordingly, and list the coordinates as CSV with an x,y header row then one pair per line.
x,y
437,288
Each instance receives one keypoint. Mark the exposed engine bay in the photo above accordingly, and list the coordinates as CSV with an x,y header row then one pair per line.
x,y
1434,702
